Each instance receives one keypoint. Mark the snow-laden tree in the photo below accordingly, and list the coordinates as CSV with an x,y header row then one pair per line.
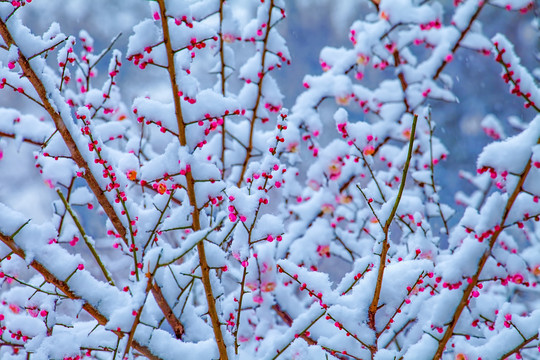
x,y
203,220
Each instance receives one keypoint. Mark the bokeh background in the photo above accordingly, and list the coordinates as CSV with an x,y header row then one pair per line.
x,y
311,25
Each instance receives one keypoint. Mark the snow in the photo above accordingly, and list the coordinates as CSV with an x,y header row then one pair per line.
x,y
520,74
146,33
24,126
163,345
292,244
520,146
464,261
421,350
281,341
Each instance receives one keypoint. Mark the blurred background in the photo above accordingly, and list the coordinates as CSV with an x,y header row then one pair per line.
x,y
311,25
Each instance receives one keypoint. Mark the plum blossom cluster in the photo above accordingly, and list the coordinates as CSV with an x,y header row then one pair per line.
x,y
214,223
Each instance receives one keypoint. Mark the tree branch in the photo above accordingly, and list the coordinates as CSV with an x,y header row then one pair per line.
x,y
474,280
64,288
373,307
76,155
205,269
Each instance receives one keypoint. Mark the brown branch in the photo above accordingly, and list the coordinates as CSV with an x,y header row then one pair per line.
x,y
396,333
76,154
402,80
374,306
64,288
474,280
222,74
461,37
288,320
173,321
519,347
205,269
510,78
12,136
239,313
249,148
398,309
137,319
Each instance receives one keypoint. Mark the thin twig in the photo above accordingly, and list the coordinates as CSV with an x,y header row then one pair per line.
x,y
76,154
249,148
65,288
373,307
449,332
86,239
205,269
